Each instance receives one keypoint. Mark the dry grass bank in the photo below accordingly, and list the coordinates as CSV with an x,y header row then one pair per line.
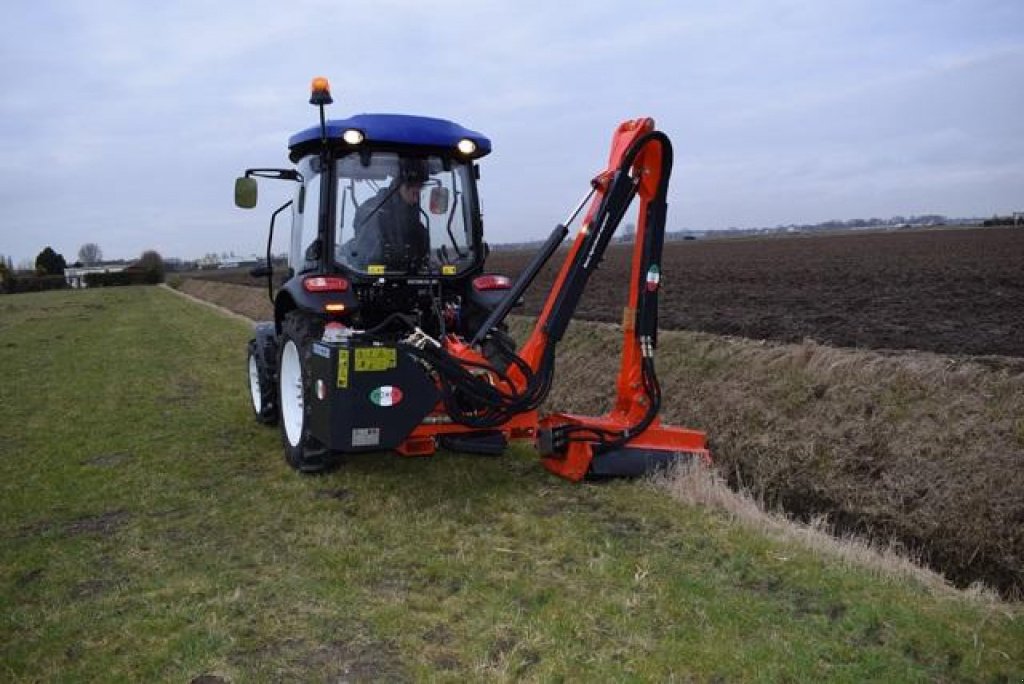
x,y
923,450
706,488
247,301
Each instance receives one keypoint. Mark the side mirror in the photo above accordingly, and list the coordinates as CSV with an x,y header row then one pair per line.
x,y
246,192
438,200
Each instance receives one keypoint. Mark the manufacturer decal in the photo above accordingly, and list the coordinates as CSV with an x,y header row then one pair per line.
x,y
653,278
385,396
321,350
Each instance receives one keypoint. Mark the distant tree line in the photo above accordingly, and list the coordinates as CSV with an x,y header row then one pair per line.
x,y
1015,220
50,267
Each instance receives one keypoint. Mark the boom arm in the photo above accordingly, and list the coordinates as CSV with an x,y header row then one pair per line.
x,y
629,440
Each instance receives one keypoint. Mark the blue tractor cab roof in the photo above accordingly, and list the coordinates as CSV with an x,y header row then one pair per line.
x,y
386,130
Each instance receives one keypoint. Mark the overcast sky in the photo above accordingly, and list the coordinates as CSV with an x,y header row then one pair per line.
x,y
125,123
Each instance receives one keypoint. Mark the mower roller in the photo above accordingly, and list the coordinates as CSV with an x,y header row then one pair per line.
x,y
388,333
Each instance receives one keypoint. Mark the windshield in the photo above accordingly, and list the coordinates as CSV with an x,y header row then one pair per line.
x,y
404,214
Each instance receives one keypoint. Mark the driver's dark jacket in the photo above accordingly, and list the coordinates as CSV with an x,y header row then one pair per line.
x,y
393,235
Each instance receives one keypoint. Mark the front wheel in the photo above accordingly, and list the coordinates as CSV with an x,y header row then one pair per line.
x,y
262,389
301,450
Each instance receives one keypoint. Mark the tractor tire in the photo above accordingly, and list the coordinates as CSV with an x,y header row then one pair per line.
x,y
301,450
262,385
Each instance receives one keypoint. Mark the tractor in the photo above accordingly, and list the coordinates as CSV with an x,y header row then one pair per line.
x,y
389,333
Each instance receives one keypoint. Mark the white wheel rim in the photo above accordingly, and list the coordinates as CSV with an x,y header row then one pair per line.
x,y
291,393
255,391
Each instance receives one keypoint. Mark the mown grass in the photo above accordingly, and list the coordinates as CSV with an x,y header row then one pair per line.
x,y
151,531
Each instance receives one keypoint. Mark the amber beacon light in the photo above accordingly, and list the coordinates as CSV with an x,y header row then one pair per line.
x,y
320,92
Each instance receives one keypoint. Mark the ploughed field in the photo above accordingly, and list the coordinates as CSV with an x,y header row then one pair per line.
x,y
947,291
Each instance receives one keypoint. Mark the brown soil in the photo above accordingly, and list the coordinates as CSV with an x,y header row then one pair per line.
x,y
948,291
953,291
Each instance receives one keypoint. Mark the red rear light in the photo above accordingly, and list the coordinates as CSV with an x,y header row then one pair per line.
x,y
325,284
486,283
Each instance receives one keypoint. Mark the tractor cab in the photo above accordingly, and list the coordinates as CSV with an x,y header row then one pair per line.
x,y
388,195
385,220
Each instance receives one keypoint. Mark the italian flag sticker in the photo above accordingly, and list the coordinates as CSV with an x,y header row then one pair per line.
x,y
388,395
653,278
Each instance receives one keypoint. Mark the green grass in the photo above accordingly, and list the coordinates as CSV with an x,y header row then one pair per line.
x,y
152,532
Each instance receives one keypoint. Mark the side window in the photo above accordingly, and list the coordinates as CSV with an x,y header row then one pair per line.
x,y
305,228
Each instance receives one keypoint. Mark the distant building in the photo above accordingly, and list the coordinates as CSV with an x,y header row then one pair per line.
x,y
239,262
75,276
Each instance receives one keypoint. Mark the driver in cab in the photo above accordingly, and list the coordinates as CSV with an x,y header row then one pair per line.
x,y
388,227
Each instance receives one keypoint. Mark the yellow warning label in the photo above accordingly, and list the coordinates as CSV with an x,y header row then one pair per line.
x,y
376,359
449,270
343,368
375,269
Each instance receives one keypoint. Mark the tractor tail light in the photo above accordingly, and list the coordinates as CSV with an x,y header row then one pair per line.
x,y
486,283
325,284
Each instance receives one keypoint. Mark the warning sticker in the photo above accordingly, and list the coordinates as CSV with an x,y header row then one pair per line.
x,y
376,359
365,436
343,368
376,269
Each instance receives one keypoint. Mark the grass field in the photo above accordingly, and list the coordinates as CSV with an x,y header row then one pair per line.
x,y
151,532
914,449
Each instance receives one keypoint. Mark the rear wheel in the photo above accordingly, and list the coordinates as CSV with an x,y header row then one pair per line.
x,y
301,450
262,389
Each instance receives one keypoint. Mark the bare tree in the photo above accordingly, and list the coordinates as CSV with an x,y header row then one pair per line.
x,y
90,254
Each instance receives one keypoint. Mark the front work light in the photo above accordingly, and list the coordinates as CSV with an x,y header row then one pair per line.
x,y
466,146
353,136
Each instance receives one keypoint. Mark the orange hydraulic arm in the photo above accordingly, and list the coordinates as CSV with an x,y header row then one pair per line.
x,y
629,440
625,136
